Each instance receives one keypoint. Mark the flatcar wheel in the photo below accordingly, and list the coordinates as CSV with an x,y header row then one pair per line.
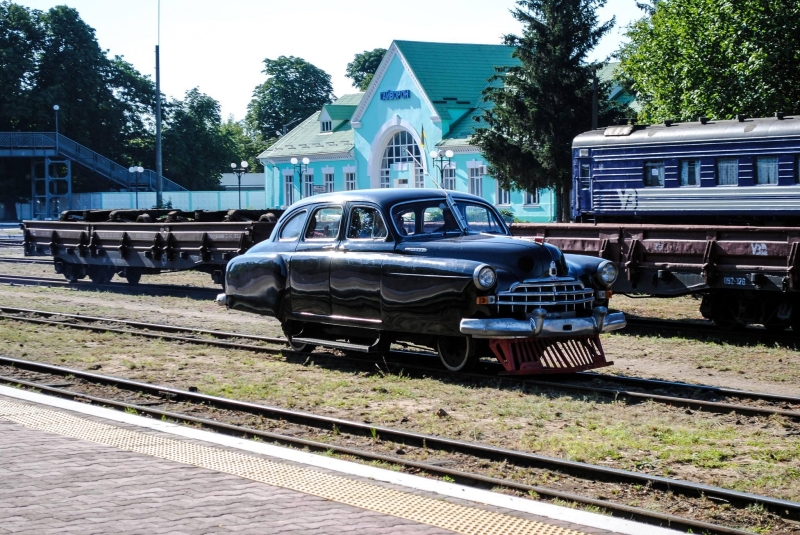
x,y
101,274
133,276
72,272
457,353
293,329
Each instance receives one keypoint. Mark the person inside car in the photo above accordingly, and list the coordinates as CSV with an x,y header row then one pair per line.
x,y
449,222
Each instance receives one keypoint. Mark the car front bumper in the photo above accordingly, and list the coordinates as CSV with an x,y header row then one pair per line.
x,y
539,326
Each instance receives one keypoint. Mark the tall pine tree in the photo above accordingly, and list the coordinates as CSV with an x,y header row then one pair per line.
x,y
543,102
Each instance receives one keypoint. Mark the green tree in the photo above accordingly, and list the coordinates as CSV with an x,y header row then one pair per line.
x,y
247,145
196,151
539,105
692,58
363,67
294,90
53,57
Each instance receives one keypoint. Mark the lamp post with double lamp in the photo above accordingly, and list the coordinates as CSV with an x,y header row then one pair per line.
x,y
441,160
239,171
138,170
55,109
300,169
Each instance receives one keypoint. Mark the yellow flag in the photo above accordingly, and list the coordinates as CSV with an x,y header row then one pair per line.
x,y
422,138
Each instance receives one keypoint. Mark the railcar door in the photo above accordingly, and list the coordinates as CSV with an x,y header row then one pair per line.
x,y
356,266
584,191
309,267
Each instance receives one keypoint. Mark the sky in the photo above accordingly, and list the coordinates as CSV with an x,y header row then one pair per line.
x,y
219,46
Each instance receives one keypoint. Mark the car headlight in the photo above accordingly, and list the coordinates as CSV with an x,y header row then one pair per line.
x,y
484,277
607,273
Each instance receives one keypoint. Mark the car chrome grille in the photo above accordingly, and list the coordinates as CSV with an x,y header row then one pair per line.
x,y
560,296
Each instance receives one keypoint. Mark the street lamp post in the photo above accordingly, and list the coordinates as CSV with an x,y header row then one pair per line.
x,y
441,160
300,168
239,171
55,109
138,170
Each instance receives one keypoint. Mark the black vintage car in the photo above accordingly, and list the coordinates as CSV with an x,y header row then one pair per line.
x,y
360,270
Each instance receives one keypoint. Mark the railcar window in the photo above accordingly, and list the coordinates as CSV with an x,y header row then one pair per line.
x,y
727,172
585,176
366,223
324,223
690,173
653,174
766,170
291,229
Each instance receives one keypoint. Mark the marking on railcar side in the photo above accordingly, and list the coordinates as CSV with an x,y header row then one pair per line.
x,y
759,249
627,198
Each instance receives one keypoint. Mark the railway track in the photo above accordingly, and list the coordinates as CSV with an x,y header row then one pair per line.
x,y
17,260
693,397
166,290
705,330
164,402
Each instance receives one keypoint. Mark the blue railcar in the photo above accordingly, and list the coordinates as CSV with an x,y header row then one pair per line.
x,y
717,172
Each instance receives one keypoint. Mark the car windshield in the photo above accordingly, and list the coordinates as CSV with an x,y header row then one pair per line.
x,y
433,218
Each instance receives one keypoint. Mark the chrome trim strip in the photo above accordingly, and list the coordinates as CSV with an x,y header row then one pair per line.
x,y
600,322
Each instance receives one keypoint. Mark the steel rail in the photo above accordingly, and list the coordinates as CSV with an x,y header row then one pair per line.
x,y
711,406
783,507
634,513
15,260
115,287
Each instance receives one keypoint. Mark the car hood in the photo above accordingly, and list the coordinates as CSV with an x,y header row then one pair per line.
x,y
524,259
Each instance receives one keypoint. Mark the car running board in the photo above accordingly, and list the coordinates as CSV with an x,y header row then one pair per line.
x,y
345,346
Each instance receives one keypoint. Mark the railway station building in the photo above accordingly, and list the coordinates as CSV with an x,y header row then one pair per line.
x,y
422,98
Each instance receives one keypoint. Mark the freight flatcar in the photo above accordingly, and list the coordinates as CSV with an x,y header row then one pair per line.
x,y
741,171
130,243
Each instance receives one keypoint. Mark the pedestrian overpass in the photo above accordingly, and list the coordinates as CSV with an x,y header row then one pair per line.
x,y
52,156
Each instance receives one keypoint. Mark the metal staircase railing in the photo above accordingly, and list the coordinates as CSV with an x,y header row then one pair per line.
x,y
39,143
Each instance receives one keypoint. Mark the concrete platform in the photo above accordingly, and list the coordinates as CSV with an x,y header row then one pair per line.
x,y
67,467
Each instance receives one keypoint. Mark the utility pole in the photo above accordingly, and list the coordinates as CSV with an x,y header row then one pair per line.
x,y
159,168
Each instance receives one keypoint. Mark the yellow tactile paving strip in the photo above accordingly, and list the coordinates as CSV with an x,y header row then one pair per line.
x,y
439,513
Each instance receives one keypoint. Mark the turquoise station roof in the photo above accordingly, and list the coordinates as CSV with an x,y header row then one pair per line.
x,y
453,75
307,140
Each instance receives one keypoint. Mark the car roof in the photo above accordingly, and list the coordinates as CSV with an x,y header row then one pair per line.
x,y
385,197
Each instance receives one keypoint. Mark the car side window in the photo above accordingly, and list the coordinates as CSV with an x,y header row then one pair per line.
x,y
324,224
366,223
291,229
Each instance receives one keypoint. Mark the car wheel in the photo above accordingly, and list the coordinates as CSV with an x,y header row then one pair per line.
x,y
293,329
457,353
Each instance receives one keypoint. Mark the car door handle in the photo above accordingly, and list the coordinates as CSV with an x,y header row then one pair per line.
x,y
328,247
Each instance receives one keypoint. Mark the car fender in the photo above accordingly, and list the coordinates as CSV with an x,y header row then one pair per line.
x,y
584,267
256,282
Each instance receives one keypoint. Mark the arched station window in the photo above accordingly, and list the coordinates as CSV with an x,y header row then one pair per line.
x,y
401,149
